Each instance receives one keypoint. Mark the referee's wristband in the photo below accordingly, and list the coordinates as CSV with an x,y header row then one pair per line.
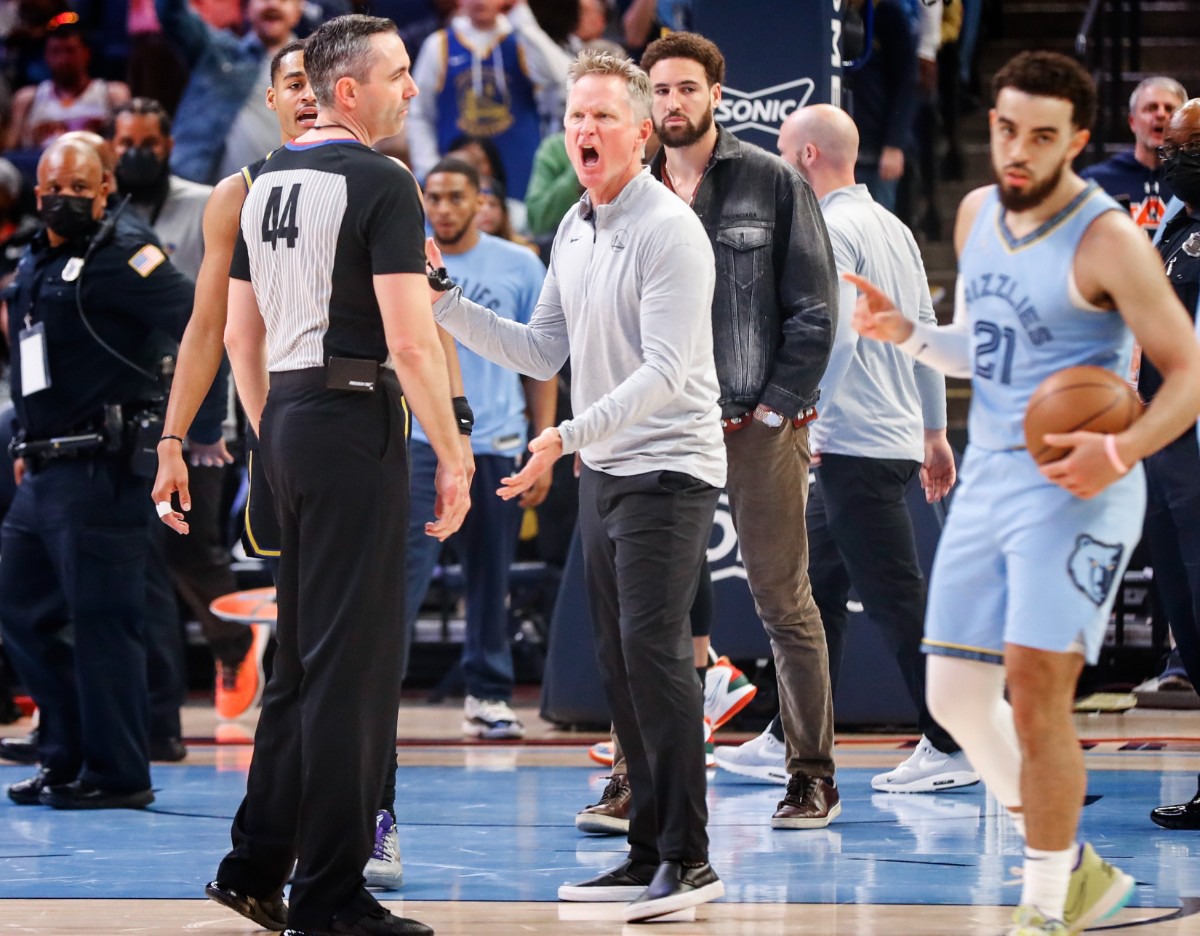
x,y
463,415
178,439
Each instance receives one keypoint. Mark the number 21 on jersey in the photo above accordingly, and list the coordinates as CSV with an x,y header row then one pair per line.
x,y
994,352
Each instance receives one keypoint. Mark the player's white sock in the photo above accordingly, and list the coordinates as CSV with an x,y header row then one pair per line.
x,y
967,699
1047,877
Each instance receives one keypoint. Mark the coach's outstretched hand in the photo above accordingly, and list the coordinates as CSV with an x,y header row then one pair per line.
x,y
875,315
545,450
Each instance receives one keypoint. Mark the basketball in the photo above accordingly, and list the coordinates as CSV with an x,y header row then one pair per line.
x,y
1078,399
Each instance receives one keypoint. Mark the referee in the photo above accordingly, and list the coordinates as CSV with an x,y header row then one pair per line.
x,y
328,294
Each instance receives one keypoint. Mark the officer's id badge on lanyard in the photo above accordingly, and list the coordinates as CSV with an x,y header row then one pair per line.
x,y
35,361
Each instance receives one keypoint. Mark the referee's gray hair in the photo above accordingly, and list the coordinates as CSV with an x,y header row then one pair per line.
x,y
1157,81
598,62
341,48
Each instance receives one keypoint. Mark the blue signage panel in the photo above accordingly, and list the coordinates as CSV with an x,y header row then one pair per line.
x,y
779,55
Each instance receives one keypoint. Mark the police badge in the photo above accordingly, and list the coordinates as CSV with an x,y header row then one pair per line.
x,y
1191,246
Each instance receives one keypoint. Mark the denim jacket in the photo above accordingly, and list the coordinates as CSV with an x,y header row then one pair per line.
x,y
775,306
224,70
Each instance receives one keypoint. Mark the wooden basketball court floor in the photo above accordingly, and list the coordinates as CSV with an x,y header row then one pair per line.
x,y
487,835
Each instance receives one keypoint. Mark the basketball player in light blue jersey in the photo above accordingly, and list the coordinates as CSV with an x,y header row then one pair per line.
x,y
1052,273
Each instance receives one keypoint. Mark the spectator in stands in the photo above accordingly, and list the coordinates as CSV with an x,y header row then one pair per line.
x,y
884,102
494,216
509,280
1135,175
484,156
224,91
493,75
553,187
70,99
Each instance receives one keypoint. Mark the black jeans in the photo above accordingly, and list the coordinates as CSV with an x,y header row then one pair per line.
x,y
860,533
1173,526
644,537
338,469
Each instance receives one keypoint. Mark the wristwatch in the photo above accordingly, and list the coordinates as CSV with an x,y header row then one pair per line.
x,y
768,417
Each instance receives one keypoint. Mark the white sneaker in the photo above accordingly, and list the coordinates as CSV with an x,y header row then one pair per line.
x,y
927,770
763,758
384,868
491,719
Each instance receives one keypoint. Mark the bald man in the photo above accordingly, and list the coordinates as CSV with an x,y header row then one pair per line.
x,y
883,422
85,309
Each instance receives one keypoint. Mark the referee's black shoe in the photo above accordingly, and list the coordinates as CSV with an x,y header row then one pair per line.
x,y
377,922
20,750
1185,816
270,914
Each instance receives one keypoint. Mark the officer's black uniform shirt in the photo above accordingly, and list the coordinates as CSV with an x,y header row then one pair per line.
x,y
129,291
1179,248
319,222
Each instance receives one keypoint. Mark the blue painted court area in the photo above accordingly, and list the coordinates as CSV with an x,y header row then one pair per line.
x,y
474,834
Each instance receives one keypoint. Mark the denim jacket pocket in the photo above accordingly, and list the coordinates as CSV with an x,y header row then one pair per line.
x,y
743,286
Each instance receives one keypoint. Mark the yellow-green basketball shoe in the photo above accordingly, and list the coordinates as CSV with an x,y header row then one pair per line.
x,y
1097,891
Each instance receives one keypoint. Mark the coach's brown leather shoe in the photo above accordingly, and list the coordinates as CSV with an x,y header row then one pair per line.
x,y
810,803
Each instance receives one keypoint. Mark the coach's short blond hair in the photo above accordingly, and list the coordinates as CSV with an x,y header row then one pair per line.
x,y
637,82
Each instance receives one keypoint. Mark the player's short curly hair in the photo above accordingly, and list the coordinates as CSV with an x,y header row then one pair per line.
x,y
1051,74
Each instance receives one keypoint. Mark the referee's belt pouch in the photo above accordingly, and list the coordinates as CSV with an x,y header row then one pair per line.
x,y
357,374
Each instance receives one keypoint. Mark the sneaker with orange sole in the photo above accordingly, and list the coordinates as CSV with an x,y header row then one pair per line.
x,y
727,691
240,687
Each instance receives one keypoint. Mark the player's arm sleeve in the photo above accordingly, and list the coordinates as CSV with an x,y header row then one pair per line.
x,y
677,285
946,348
931,384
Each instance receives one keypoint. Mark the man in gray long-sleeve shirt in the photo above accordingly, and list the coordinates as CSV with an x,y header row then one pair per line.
x,y
884,419
627,297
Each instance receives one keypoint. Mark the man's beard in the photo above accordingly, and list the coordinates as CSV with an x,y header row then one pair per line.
x,y
452,239
675,137
1031,197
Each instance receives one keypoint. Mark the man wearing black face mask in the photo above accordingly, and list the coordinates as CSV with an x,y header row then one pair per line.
x,y
1173,474
174,207
83,311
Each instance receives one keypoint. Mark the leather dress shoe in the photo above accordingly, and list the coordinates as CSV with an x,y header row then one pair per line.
x,y
1185,816
619,885
27,792
810,803
20,750
81,795
378,922
170,750
270,914
675,887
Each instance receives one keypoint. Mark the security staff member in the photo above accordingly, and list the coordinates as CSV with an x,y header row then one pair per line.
x,y
82,313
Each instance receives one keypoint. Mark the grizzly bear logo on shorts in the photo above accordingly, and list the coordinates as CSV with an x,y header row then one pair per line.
x,y
1093,567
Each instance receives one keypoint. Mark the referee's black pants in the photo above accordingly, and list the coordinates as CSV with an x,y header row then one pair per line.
x,y
644,538
337,464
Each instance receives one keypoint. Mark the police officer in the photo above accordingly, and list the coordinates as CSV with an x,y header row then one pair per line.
x,y
83,313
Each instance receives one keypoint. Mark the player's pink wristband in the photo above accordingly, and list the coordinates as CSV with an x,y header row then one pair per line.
x,y
1110,449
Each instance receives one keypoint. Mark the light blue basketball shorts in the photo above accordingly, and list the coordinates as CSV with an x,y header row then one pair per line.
x,y
1022,561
